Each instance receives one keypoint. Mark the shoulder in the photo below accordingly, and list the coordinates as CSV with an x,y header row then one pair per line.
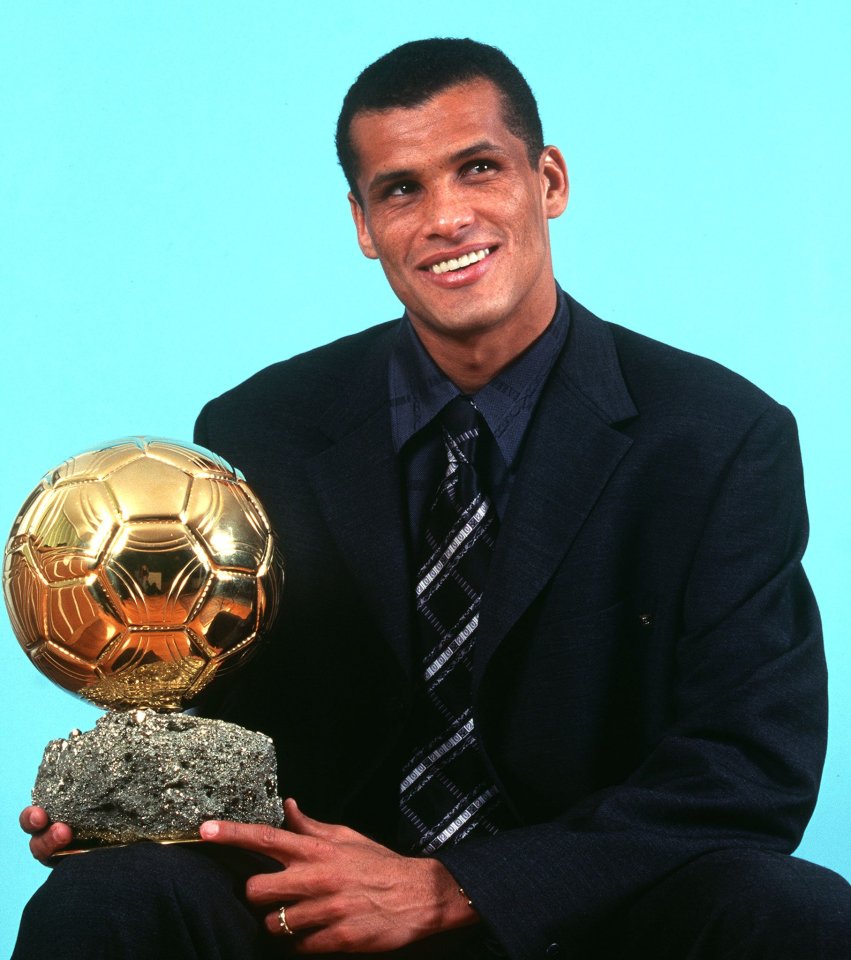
x,y
671,386
665,375
276,415
305,382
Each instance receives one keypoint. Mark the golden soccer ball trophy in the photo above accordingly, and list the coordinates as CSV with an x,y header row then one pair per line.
x,y
135,576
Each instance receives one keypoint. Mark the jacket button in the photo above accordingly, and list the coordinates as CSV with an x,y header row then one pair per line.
x,y
645,619
554,950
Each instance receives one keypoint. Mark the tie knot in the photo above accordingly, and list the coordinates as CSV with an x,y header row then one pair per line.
x,y
460,419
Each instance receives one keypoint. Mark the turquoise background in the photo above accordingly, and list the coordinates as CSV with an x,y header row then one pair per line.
x,y
172,218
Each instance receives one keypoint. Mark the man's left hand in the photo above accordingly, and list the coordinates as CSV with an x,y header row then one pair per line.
x,y
342,891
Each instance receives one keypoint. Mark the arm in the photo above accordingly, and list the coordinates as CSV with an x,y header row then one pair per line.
x,y
740,759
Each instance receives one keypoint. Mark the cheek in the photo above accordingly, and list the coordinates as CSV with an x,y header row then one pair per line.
x,y
392,244
520,212
537,228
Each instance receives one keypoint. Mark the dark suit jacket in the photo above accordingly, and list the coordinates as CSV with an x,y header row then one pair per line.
x,y
649,680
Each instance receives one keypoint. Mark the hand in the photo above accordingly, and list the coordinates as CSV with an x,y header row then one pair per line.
x,y
344,892
46,838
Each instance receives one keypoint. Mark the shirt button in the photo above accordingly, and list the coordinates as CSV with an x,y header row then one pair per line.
x,y
554,950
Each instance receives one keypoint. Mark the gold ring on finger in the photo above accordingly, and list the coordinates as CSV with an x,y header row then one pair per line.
x,y
282,920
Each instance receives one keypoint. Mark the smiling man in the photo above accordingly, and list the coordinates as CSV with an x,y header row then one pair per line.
x,y
548,678
449,201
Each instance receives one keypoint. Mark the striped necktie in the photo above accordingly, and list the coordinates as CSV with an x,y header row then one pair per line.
x,y
446,792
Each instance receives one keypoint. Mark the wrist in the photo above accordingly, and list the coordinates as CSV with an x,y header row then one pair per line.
x,y
453,908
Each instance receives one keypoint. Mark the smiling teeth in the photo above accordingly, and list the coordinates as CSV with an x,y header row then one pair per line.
x,y
463,261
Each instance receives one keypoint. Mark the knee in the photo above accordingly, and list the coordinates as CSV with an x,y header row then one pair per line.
x,y
747,904
797,907
137,897
103,883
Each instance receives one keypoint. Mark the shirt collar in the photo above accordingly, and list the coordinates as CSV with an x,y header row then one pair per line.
x,y
419,389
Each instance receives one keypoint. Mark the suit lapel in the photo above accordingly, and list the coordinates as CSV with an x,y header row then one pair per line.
x,y
358,484
569,455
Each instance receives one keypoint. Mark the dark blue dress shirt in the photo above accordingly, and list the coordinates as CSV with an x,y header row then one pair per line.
x,y
419,390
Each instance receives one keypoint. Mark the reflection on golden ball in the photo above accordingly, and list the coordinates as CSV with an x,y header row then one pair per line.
x,y
136,573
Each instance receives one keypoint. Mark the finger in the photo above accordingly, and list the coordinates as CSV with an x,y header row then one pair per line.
x,y
272,922
268,889
293,884
45,845
301,823
280,845
33,819
301,918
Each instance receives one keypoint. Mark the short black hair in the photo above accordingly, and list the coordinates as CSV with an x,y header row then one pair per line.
x,y
415,72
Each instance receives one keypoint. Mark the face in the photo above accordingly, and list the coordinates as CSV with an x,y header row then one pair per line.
x,y
458,217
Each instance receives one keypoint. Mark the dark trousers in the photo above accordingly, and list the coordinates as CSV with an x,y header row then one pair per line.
x,y
148,902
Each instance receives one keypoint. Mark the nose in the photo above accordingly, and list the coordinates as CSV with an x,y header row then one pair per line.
x,y
448,212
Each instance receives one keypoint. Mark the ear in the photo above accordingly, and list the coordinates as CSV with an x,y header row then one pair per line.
x,y
554,182
364,239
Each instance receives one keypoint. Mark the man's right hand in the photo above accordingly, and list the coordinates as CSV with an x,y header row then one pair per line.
x,y
46,838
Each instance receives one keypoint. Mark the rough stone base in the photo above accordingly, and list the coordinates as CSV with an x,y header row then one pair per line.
x,y
140,775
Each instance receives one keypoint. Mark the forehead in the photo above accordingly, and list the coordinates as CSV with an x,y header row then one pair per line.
x,y
408,137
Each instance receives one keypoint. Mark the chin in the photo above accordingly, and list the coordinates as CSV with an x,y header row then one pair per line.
x,y
462,328
474,317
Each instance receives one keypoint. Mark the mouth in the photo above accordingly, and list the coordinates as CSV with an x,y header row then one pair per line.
x,y
459,263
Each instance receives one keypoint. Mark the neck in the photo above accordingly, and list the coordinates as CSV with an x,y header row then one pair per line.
x,y
470,366
473,358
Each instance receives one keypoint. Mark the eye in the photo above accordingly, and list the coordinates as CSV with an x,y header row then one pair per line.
x,y
480,168
402,189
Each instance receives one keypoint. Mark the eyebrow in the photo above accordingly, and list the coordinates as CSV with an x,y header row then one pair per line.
x,y
408,173
481,146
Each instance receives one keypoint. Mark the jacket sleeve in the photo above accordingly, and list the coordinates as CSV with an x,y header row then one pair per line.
x,y
739,763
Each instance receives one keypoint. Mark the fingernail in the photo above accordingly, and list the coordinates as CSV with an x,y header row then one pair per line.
x,y
209,830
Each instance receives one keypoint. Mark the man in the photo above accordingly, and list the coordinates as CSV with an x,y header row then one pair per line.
x,y
546,650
